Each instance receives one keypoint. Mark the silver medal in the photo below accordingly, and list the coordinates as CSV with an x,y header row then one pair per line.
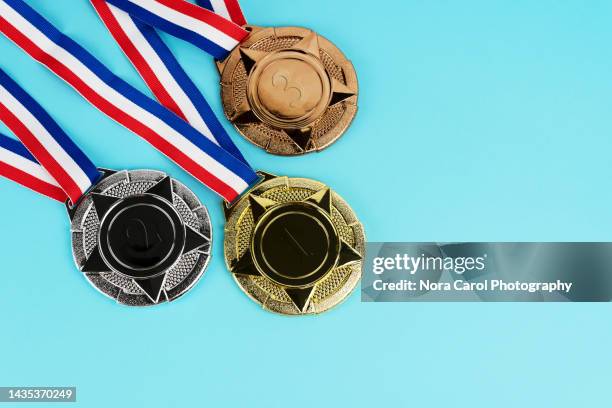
x,y
141,237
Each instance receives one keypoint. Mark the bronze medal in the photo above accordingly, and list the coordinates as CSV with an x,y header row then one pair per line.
x,y
288,90
294,246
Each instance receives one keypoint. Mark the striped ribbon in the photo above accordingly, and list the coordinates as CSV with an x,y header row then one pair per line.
x,y
18,164
48,161
163,74
203,28
206,160
229,9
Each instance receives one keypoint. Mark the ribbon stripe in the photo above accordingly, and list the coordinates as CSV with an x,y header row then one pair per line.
x,y
182,143
17,164
229,9
44,138
203,28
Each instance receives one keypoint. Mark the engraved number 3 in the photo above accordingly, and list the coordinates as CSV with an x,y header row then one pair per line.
x,y
280,80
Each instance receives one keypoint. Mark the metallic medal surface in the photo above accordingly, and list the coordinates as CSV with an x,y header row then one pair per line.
x,y
294,246
288,90
141,237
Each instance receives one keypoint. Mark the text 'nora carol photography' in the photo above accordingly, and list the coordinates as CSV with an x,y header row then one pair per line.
x,y
534,272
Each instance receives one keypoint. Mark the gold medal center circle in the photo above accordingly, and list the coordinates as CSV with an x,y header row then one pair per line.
x,y
297,251
289,89
295,244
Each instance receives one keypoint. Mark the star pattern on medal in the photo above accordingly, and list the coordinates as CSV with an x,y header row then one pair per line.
x,y
300,296
152,287
302,137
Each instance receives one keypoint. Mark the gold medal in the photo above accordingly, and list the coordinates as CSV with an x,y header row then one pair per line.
x,y
288,90
294,246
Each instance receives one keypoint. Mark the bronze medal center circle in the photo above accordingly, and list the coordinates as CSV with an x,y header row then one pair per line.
x,y
289,89
295,244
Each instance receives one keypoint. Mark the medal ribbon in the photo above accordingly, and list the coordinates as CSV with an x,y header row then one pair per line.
x,y
229,9
163,74
48,161
18,164
201,157
203,28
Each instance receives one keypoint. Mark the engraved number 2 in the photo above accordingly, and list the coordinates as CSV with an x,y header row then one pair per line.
x,y
139,237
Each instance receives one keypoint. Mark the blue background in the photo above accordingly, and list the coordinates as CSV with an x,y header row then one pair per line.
x,y
479,120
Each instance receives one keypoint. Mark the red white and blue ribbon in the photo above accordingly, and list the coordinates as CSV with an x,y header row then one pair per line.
x,y
229,9
18,164
203,28
48,161
162,72
224,173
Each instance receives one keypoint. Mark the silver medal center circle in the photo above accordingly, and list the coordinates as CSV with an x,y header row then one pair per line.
x,y
117,227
